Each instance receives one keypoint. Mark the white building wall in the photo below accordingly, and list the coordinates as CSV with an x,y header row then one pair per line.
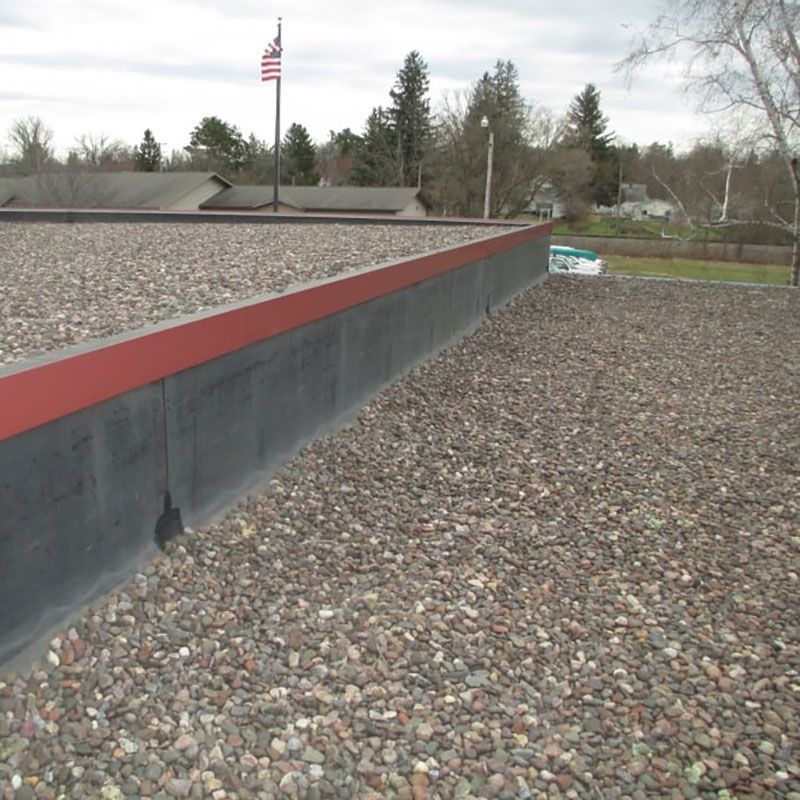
x,y
191,200
416,208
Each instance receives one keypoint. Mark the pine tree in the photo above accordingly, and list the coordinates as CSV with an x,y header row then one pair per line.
x,y
376,162
148,154
587,130
215,144
395,141
299,157
345,140
587,126
498,97
410,116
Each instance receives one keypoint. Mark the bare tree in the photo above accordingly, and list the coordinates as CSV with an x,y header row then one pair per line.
x,y
456,186
97,151
743,58
699,182
31,143
717,180
522,145
570,170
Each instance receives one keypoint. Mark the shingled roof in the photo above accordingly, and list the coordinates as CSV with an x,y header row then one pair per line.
x,y
153,189
319,198
109,189
7,190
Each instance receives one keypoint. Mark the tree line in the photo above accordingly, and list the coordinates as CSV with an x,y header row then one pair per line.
x,y
745,179
406,144
403,144
443,151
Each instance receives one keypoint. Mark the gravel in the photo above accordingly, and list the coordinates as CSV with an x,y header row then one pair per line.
x,y
62,284
559,560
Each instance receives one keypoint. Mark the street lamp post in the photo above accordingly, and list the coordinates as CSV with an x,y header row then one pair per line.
x,y
489,157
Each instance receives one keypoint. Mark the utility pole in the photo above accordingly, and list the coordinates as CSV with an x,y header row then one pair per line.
x,y
489,159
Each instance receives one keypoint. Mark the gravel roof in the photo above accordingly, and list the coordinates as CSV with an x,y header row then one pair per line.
x,y
560,559
61,284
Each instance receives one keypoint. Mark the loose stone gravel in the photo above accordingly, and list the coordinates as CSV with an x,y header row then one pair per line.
x,y
560,560
65,284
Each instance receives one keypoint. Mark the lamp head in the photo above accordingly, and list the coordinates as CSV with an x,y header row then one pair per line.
x,y
484,121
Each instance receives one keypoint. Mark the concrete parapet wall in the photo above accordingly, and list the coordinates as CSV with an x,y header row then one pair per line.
x,y
680,248
204,408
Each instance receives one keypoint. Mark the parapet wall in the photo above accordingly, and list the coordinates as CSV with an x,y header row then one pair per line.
x,y
205,408
221,216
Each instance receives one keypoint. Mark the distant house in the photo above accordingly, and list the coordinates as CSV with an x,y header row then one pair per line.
x,y
546,203
395,200
652,209
177,191
634,192
638,206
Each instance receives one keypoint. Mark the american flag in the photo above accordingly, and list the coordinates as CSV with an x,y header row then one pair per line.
x,y
271,61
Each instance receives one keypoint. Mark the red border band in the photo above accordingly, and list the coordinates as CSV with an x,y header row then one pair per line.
x,y
39,394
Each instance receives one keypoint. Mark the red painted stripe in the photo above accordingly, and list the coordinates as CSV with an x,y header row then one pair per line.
x,y
39,394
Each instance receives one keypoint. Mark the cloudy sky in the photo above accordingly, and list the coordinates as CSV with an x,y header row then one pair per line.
x,y
115,67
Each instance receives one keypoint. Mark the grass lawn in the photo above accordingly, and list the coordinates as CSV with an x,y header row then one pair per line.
x,y
699,270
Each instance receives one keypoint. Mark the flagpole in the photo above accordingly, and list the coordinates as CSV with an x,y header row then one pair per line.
x,y
277,167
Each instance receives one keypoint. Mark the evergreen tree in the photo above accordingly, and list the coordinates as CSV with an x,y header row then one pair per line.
x,y
299,157
393,147
376,161
345,140
215,144
498,95
148,154
410,117
587,126
587,130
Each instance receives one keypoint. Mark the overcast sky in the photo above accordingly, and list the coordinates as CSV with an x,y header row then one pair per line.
x,y
116,67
